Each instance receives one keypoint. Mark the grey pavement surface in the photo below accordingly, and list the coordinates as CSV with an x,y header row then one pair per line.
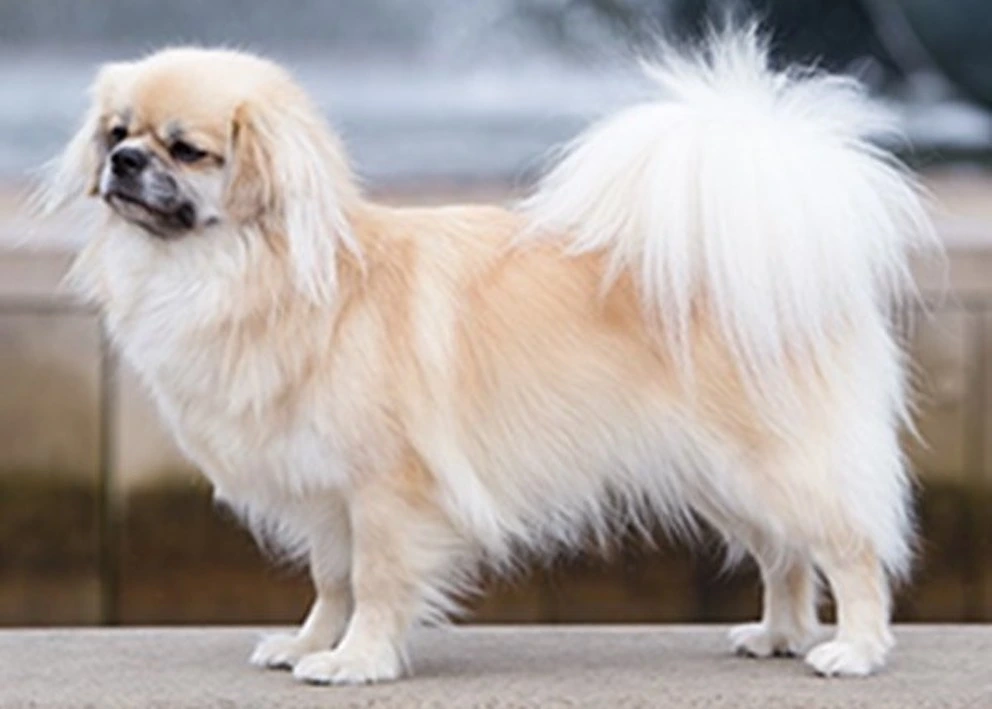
x,y
536,666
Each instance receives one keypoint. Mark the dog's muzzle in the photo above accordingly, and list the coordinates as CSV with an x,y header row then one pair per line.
x,y
143,193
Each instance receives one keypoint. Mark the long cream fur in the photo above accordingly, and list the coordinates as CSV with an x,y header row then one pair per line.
x,y
688,321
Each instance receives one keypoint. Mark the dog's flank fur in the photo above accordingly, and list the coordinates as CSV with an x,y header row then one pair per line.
x,y
689,320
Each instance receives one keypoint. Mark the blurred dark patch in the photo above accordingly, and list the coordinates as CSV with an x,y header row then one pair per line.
x,y
185,560
49,550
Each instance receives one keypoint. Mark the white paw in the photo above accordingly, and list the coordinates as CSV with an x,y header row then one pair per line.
x,y
348,667
282,651
839,658
758,640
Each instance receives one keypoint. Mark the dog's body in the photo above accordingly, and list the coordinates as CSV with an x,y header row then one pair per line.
x,y
688,321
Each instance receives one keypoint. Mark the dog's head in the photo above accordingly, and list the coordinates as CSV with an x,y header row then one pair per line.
x,y
197,144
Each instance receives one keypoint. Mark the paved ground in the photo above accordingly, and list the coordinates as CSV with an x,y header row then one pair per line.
x,y
934,666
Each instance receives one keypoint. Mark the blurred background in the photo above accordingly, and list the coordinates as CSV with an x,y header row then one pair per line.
x,y
443,100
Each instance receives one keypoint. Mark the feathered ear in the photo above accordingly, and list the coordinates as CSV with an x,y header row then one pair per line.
x,y
75,173
289,175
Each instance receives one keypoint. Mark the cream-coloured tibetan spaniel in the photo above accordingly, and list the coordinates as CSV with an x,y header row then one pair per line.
x,y
688,321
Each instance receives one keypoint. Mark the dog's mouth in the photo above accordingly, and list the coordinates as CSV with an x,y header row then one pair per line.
x,y
161,221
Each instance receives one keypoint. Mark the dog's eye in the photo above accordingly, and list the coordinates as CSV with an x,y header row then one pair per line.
x,y
184,152
116,135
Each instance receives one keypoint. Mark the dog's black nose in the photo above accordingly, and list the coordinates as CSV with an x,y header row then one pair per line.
x,y
128,162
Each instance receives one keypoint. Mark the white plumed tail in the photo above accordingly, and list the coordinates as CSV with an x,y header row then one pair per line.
x,y
753,193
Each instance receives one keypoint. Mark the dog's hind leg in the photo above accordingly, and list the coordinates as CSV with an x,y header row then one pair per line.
x,y
850,515
863,537
861,592
789,623
835,498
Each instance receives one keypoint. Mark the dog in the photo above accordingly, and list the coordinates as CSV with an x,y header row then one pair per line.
x,y
691,320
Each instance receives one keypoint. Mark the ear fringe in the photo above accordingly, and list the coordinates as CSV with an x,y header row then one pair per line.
x,y
73,174
304,187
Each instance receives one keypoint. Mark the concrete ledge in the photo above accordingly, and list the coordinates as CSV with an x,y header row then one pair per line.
x,y
536,666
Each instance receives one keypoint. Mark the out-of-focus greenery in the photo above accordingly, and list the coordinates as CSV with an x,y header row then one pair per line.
x,y
880,40
957,37
835,33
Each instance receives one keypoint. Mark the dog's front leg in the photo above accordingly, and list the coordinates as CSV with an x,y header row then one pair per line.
x,y
401,546
330,566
